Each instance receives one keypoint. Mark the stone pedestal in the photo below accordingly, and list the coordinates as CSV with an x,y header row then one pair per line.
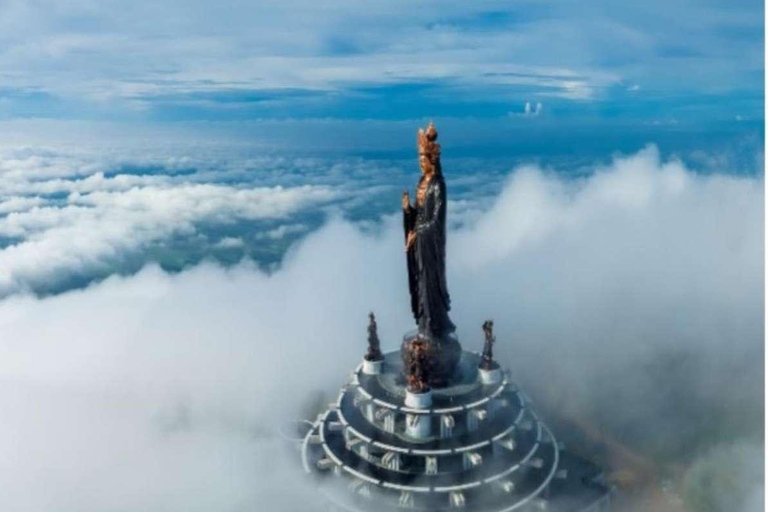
x,y
373,367
418,426
443,354
488,377
489,452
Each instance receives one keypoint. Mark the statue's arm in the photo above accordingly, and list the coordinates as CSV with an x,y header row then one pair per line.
x,y
438,195
409,219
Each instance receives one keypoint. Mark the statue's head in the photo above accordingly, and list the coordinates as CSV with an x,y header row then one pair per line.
x,y
429,149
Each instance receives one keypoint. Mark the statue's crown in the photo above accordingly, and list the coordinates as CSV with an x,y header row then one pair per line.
x,y
426,141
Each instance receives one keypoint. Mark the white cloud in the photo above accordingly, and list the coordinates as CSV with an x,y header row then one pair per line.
x,y
727,475
15,204
95,230
229,242
630,301
282,231
73,215
123,60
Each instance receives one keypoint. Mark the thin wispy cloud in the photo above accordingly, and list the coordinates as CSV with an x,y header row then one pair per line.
x,y
99,61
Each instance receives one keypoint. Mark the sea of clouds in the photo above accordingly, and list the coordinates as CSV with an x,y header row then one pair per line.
x,y
71,216
628,303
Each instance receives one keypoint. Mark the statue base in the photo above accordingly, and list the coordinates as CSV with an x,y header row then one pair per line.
x,y
442,356
418,400
418,426
489,377
374,367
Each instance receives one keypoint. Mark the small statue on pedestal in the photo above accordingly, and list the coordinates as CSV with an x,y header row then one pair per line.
x,y
374,345
487,362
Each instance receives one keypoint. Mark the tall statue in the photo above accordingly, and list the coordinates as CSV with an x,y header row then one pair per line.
x,y
424,224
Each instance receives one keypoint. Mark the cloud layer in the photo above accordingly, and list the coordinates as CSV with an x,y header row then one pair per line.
x,y
628,303
72,216
65,221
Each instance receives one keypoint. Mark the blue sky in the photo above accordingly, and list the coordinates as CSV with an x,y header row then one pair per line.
x,y
677,72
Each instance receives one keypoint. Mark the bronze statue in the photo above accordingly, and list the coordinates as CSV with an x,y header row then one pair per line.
x,y
487,362
374,345
424,226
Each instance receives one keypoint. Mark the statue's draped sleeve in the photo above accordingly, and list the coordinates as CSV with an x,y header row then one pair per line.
x,y
409,224
432,301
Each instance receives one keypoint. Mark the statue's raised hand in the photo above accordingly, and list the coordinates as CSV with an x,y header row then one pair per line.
x,y
406,201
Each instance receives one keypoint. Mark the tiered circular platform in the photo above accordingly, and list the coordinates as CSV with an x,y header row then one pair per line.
x,y
478,446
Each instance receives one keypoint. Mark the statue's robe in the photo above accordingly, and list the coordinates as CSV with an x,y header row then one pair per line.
x,y
430,301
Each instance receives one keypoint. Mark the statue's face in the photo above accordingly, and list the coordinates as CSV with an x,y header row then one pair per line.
x,y
425,164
